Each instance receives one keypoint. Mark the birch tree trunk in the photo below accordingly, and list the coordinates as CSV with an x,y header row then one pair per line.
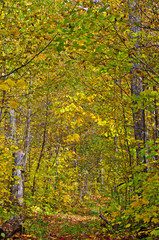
x,y
13,125
27,137
17,188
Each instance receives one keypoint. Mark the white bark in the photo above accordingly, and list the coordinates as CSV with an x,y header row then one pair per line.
x,y
28,137
17,189
13,125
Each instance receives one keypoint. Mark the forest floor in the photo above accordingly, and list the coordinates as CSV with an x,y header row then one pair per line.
x,y
69,227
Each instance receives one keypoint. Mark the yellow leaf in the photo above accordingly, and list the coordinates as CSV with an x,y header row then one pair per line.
x,y
128,225
145,201
81,43
101,123
114,214
146,219
138,218
10,82
4,87
134,204
21,84
155,220
13,104
74,137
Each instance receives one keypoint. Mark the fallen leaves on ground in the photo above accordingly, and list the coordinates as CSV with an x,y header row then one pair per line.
x,y
66,227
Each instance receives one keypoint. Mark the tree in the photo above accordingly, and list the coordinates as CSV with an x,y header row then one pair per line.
x,y
79,95
137,81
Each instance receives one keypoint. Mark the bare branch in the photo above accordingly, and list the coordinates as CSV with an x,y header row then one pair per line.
x,y
29,61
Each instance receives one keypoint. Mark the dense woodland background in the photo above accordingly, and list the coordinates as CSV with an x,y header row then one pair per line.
x,y
79,102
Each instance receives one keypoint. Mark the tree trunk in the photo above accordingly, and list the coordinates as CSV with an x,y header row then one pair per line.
x,y
137,82
43,146
17,188
13,125
14,225
156,127
2,105
9,228
27,137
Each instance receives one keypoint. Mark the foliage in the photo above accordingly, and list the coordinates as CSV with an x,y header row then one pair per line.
x,y
66,74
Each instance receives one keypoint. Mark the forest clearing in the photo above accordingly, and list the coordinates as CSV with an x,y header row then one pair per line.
x,y
79,119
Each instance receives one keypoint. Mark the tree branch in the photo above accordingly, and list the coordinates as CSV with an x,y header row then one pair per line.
x,y
103,218
29,61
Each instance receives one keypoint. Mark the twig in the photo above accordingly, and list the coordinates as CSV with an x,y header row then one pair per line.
x,y
29,61
103,218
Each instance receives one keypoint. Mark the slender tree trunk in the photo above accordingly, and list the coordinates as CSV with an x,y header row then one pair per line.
x,y
84,189
13,125
156,127
17,188
42,148
27,134
137,82
2,105
102,172
27,137
125,131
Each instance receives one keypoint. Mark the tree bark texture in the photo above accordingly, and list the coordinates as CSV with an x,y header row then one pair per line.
x,y
17,188
9,228
137,81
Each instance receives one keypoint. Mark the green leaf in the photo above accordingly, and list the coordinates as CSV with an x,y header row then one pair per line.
x,y
128,225
103,9
3,235
155,233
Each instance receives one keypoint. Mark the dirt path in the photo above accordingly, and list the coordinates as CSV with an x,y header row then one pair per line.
x,y
66,227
